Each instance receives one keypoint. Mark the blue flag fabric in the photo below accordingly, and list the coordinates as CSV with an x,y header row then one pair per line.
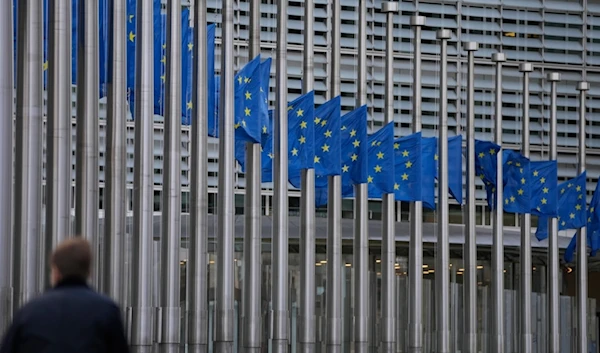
x,y
131,30
517,194
593,228
103,60
187,67
486,157
213,80
544,183
301,133
429,169
455,175
160,62
251,112
327,141
267,152
381,161
354,149
572,212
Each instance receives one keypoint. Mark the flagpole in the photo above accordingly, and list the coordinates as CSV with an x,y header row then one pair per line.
x,y
116,128
306,320
361,235
470,245
171,192
415,268
280,291
582,280
334,210
388,239
443,247
6,160
553,250
498,220
224,300
197,277
58,160
252,308
525,220
28,244
142,313
86,165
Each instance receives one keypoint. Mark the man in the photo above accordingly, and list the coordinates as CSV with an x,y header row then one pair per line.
x,y
71,317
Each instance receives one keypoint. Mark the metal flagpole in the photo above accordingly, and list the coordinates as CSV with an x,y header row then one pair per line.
x,y
388,239
334,209
361,235
442,277
197,277
415,268
525,220
115,208
224,301
470,245
252,304
582,281
498,216
171,193
280,291
6,161
553,251
142,313
306,318
86,178
58,159
28,244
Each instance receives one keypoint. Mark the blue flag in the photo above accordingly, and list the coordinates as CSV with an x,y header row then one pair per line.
x,y
544,183
160,62
251,112
187,67
103,59
572,212
517,194
455,175
213,80
429,169
381,161
354,149
327,141
486,157
408,169
301,133
593,228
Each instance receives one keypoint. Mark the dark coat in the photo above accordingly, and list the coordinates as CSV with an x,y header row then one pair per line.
x,y
71,318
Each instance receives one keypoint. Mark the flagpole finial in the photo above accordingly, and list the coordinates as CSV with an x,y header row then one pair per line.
x,y
444,34
390,6
498,57
470,46
526,67
417,20
583,86
553,77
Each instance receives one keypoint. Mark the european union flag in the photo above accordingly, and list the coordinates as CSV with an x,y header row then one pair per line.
x,y
103,59
267,152
593,222
301,133
160,62
408,169
455,175
213,80
187,67
381,161
354,149
572,212
131,30
517,193
486,157
250,108
429,170
544,183
327,140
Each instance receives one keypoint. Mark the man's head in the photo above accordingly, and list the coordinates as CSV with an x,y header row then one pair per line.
x,y
71,259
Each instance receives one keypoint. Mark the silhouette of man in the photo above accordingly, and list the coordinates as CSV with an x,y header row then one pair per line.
x,y
71,317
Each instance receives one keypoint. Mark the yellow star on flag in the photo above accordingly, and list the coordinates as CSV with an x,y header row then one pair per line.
x,y
247,111
352,133
327,133
578,207
300,112
543,180
396,186
545,190
345,168
302,140
404,176
377,169
264,129
396,145
271,155
481,154
317,159
131,36
405,153
354,157
240,80
572,215
578,188
408,164
190,46
317,120
45,65
492,151
523,180
303,125
535,173
248,95
544,201
247,80
356,143
294,152
343,128
189,105
380,155
369,179
520,192
324,122
325,148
